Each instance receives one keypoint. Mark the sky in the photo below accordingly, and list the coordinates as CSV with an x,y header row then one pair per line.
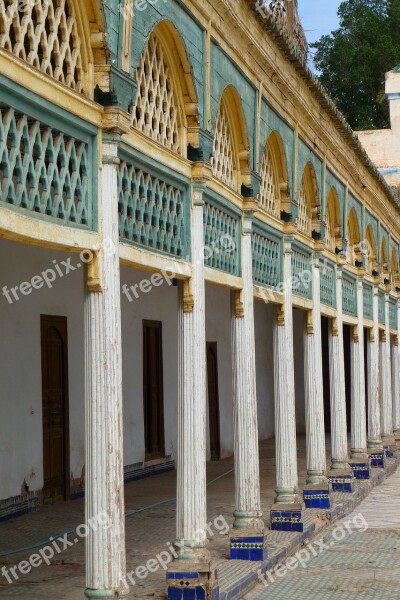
x,y
319,17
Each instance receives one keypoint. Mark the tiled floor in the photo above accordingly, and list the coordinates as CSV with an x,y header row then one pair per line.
x,y
365,564
147,533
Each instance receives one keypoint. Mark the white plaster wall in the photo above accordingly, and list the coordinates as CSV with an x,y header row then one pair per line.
x,y
264,315
298,343
218,329
159,304
21,452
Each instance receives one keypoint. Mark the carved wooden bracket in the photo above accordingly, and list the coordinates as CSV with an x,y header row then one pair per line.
x,y
281,315
335,328
238,304
356,337
310,323
371,336
94,275
188,298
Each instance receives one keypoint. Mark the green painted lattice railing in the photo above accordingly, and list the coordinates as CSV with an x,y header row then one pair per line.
x,y
328,283
43,170
301,271
267,256
221,236
381,305
368,298
153,212
393,313
349,295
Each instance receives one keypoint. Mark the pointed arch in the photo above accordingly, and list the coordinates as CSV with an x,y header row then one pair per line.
x,y
230,160
274,187
370,253
394,267
308,205
353,238
55,38
166,107
384,258
332,221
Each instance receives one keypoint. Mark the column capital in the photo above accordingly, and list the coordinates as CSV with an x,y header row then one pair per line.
x,y
249,208
116,121
201,174
188,296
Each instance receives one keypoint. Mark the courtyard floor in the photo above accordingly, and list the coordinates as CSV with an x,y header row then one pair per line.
x,y
149,530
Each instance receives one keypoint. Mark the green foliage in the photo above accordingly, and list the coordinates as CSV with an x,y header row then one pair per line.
x,y
353,60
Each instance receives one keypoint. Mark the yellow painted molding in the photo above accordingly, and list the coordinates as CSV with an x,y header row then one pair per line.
x,y
51,90
144,260
21,228
222,279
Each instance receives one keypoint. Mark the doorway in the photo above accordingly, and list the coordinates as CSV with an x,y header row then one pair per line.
x,y
54,353
153,390
213,399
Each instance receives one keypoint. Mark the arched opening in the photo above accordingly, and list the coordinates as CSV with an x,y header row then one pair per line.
x,y
165,107
394,268
308,205
354,256
274,187
370,256
332,222
55,38
230,160
384,260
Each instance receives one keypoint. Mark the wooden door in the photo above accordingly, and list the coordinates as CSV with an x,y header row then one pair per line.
x,y
153,399
213,399
55,407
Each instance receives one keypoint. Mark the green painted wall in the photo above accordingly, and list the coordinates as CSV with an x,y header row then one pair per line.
x,y
271,121
223,73
333,182
307,155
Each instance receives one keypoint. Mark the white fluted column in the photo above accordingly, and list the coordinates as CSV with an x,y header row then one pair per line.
x,y
337,383
386,380
374,411
285,410
247,477
191,509
358,408
396,379
105,546
314,390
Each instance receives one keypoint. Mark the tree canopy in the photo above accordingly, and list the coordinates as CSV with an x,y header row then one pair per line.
x,y
352,61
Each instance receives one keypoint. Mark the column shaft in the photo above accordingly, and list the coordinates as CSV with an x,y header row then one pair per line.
x,y
386,381
285,412
191,509
374,411
337,384
105,546
248,504
358,411
314,390
396,380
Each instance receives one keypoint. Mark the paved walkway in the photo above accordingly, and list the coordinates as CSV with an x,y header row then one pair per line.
x,y
364,564
148,532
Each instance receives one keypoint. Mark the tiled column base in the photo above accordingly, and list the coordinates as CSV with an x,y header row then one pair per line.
x,y
286,517
378,459
341,480
192,581
316,496
248,545
361,468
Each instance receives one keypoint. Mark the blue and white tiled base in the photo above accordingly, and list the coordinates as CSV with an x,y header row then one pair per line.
x,y
248,547
361,468
286,517
389,450
341,481
192,585
316,496
378,459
